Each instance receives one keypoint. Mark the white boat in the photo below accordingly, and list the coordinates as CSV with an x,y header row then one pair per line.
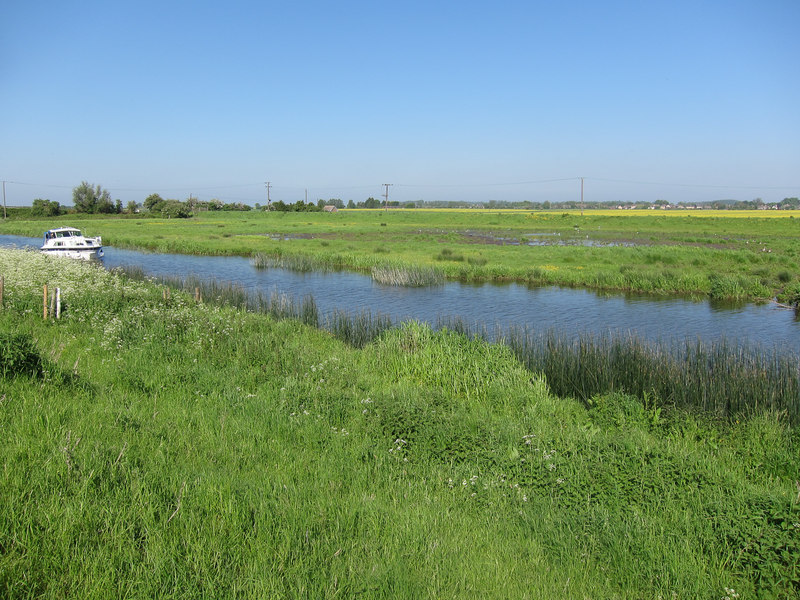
x,y
70,242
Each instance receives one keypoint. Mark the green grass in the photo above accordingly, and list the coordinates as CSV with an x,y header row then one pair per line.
x,y
161,447
715,254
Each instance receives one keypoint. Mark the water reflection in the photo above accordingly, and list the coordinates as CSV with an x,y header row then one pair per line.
x,y
572,311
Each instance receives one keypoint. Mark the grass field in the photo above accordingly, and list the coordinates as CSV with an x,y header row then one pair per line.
x,y
154,446
719,254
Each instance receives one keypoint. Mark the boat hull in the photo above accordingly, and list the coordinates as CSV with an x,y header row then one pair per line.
x,y
83,254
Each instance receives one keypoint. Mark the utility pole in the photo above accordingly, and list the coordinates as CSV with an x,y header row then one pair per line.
x,y
4,200
581,196
386,197
269,203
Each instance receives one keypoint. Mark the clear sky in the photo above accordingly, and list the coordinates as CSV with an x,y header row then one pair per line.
x,y
683,100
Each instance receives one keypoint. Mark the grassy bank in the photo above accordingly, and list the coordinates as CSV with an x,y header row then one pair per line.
x,y
750,255
158,447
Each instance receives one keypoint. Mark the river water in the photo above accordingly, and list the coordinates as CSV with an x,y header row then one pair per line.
x,y
569,311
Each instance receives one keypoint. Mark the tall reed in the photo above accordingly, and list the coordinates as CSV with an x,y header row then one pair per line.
x,y
717,376
356,329
293,262
713,376
407,276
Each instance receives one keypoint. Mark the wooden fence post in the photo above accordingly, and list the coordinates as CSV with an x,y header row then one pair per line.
x,y
2,286
58,303
45,302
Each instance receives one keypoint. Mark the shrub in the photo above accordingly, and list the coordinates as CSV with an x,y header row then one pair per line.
x,y
19,356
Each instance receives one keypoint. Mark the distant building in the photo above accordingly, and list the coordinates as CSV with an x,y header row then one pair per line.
x,y
330,208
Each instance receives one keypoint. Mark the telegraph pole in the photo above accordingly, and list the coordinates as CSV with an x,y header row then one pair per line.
x,y
386,197
269,204
4,200
581,196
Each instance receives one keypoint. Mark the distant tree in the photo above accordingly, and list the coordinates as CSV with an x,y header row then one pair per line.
x,y
132,207
151,201
372,203
175,209
45,208
118,206
351,204
790,203
238,206
92,199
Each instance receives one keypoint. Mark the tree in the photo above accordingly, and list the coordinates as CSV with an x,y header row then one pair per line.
x,y
176,209
89,198
133,207
351,204
45,208
151,201
790,203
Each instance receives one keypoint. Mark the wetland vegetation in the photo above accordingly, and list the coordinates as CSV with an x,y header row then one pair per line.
x,y
159,446
750,255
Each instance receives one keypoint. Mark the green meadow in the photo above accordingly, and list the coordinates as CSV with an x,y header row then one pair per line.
x,y
155,445
751,255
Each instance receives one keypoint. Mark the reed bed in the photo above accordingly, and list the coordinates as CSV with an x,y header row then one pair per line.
x,y
302,467
717,377
407,276
292,262
357,329
221,293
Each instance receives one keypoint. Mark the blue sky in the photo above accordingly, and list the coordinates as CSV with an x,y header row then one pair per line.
x,y
683,100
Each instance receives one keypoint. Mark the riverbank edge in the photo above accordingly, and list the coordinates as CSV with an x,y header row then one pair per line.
x,y
690,282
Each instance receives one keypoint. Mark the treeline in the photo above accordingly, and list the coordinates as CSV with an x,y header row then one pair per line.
x,y
93,199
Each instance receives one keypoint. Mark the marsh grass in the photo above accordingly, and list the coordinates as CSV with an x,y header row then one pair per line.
x,y
405,276
293,262
200,450
716,377
713,255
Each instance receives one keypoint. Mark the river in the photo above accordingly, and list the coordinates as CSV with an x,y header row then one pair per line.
x,y
570,311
